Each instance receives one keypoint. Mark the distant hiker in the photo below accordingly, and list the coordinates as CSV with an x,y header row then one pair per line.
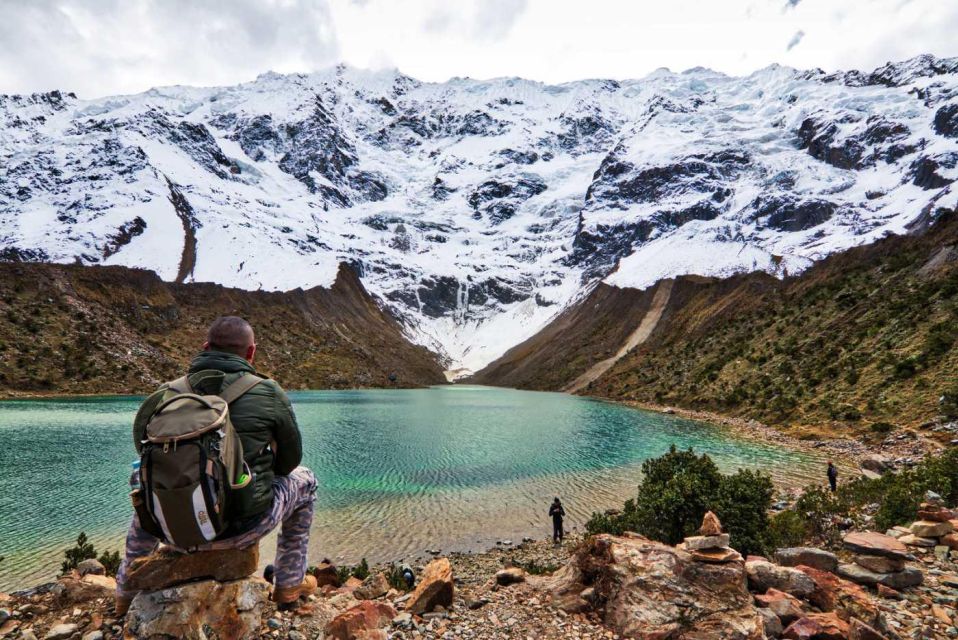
x,y
243,464
832,476
557,513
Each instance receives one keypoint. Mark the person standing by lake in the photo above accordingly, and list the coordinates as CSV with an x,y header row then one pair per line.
x,y
557,513
275,491
832,476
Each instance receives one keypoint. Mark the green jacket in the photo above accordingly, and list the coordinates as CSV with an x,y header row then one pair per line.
x,y
261,416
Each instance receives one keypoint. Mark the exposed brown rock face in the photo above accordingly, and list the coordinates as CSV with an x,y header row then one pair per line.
x,y
845,598
166,568
435,588
119,330
787,607
230,610
375,586
817,626
644,589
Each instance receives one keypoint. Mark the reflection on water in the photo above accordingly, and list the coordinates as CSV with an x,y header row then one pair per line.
x,y
399,471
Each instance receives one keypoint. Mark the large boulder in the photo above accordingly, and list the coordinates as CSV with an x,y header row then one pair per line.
x,y
898,580
435,588
876,463
845,598
875,544
763,575
166,568
510,575
361,621
200,610
644,589
808,556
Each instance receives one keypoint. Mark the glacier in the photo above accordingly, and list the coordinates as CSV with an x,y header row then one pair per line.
x,y
476,211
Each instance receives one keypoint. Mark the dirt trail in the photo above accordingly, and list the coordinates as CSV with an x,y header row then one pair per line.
x,y
637,337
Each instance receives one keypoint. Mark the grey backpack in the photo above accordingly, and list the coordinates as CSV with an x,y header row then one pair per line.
x,y
191,464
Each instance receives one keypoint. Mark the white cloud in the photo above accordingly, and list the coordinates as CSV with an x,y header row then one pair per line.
x,y
98,47
795,40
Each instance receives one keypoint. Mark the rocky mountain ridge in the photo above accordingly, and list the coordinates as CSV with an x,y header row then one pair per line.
x,y
476,211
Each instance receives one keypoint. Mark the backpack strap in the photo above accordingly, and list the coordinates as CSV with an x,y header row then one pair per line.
x,y
240,386
181,385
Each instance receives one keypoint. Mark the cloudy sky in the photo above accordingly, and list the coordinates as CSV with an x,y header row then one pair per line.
x,y
104,47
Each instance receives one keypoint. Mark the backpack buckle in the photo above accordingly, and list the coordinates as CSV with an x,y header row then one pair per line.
x,y
166,447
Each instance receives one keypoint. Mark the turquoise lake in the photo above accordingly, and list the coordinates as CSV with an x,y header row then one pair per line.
x,y
400,471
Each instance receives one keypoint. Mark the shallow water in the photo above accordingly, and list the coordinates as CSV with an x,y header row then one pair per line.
x,y
400,471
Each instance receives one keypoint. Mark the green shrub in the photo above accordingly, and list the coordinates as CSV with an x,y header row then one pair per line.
x,y
819,507
881,428
534,568
786,529
360,571
84,550
676,491
395,578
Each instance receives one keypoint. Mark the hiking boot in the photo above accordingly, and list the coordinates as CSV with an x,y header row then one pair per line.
x,y
122,605
288,595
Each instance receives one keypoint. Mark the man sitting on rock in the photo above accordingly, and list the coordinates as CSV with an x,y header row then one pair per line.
x,y
279,492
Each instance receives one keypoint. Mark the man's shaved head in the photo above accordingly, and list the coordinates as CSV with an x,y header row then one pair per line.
x,y
231,334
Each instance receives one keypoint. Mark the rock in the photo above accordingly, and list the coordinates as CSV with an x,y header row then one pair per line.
x,y
763,576
199,609
91,565
510,575
356,623
935,513
572,603
930,529
167,568
808,556
876,544
71,589
403,620
909,577
478,603
773,625
950,541
889,593
858,630
933,498
435,588
645,589
352,583
61,632
942,552
876,463
787,607
711,525
326,574
696,543
375,586
93,635
842,596
880,564
916,541
717,556
817,626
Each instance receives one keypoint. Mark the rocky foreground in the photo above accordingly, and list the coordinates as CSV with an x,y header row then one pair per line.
x,y
605,586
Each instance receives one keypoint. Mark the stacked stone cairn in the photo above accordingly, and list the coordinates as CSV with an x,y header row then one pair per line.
x,y
711,545
936,529
879,560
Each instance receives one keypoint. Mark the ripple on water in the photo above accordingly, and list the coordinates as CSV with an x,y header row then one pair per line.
x,y
399,471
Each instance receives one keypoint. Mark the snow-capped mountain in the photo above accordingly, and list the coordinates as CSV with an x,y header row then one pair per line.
x,y
477,210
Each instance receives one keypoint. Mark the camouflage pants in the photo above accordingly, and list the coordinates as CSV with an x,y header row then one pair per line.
x,y
293,498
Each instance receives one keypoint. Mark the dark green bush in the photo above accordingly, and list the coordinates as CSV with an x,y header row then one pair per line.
x,y
786,529
676,491
360,571
84,550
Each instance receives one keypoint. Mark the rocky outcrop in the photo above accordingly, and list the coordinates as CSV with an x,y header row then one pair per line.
x,y
644,589
195,611
763,575
435,588
167,567
876,551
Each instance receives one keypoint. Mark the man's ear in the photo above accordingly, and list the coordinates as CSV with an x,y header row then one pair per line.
x,y
250,353
206,346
